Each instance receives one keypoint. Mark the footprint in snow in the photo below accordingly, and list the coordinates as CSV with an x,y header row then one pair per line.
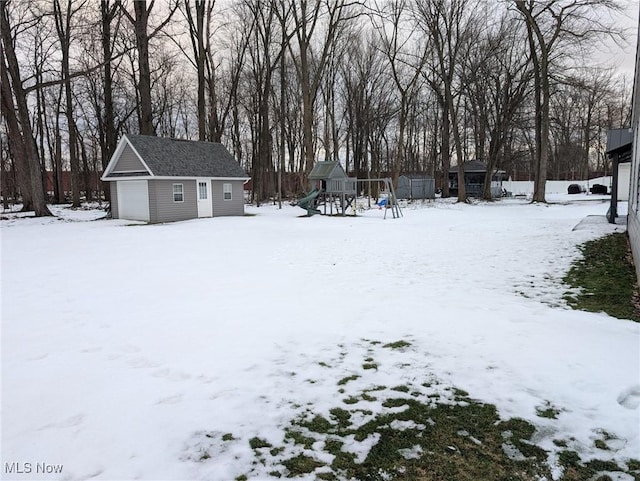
x,y
630,397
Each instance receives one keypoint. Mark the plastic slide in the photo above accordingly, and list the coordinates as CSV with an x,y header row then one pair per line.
x,y
307,202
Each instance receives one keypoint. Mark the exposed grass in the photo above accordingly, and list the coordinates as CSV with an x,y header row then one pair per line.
x,y
548,411
420,431
438,441
605,277
345,380
257,443
397,345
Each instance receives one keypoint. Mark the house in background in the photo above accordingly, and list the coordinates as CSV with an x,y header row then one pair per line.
x,y
156,179
633,211
475,172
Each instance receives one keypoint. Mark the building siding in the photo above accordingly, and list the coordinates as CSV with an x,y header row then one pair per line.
x,y
633,211
222,207
129,162
162,208
113,193
633,228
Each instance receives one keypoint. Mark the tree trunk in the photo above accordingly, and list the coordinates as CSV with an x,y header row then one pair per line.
x,y
110,135
31,150
145,121
16,143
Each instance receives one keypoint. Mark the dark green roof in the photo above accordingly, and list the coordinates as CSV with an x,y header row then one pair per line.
x,y
185,158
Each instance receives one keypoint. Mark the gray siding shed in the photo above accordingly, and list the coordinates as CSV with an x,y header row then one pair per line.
x,y
222,207
129,162
113,194
162,208
146,168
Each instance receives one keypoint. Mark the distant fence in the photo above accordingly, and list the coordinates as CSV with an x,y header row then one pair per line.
x,y
519,187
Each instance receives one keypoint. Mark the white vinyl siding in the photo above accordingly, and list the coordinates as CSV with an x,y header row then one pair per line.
x,y
227,189
178,192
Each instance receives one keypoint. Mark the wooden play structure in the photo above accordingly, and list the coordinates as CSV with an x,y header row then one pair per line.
x,y
333,192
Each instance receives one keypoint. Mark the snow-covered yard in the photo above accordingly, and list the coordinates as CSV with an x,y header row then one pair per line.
x,y
122,344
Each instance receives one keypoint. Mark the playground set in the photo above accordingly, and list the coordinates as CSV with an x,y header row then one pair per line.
x,y
332,189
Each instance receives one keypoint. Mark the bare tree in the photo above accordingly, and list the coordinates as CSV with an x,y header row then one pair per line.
x,y
552,25
140,23
63,19
310,65
406,60
31,156
449,24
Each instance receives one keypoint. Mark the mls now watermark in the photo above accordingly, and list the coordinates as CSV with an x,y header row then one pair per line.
x,y
32,468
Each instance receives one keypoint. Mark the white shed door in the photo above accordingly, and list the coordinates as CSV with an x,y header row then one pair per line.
x,y
205,199
133,200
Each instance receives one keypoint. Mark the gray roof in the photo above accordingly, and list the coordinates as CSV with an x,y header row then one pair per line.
x,y
472,166
326,170
619,139
185,158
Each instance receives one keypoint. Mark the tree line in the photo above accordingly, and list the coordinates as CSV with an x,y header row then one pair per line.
x,y
384,86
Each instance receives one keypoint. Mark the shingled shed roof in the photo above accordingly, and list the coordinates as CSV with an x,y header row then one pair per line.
x,y
185,158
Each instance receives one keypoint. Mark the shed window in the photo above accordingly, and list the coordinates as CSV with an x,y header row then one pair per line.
x,y
178,193
227,190
202,191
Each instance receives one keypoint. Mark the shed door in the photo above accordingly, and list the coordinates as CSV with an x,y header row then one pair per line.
x,y
205,199
133,200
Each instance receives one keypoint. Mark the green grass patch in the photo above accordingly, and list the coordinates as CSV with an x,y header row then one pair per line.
x,y
400,388
397,345
547,411
257,443
301,464
347,379
370,365
606,278
425,441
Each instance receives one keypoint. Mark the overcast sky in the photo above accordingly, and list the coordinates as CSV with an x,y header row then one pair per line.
x,y
624,58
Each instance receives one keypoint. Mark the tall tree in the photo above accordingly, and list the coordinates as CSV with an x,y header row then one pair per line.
x,y
140,23
32,158
310,65
63,18
449,25
406,61
554,25
108,13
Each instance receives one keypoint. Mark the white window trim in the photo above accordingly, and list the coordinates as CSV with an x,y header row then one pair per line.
x,y
181,193
225,191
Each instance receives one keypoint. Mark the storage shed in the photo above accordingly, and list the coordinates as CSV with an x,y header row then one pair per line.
x,y
157,179
416,186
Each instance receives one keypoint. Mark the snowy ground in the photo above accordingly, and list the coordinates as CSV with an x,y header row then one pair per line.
x,y
122,344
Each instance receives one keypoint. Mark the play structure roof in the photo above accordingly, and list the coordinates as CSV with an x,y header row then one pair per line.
x,y
327,170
